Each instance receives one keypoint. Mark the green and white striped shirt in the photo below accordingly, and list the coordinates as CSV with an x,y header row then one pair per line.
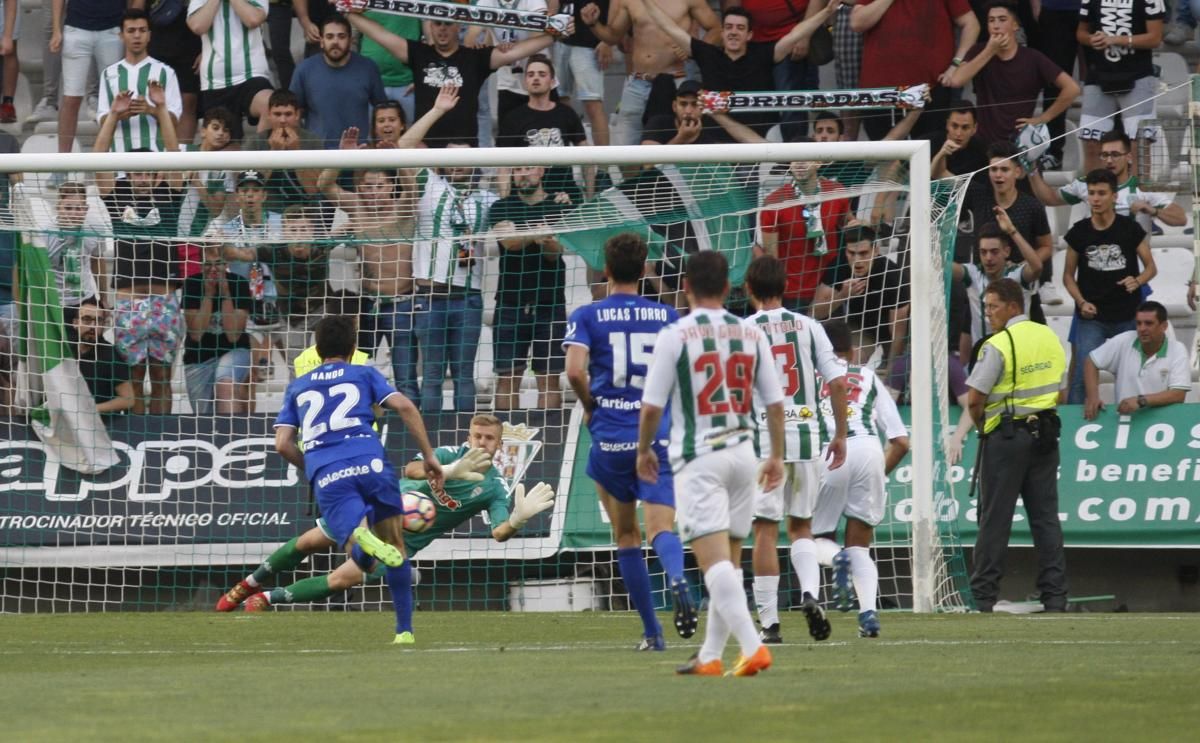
x,y
869,405
141,131
801,350
446,216
230,53
713,368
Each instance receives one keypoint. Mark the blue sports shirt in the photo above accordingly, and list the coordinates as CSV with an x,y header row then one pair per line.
x,y
332,405
619,333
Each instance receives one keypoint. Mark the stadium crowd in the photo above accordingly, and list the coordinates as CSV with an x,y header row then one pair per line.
x,y
227,268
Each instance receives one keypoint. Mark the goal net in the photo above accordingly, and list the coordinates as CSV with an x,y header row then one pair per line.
x,y
163,302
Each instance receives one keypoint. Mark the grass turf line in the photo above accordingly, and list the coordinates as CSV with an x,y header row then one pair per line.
x,y
504,676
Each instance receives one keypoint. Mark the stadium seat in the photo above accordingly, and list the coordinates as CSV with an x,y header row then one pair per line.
x,y
1175,74
1067,308
1170,285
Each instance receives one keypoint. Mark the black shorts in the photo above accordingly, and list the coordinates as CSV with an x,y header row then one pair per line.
x,y
237,99
529,328
178,50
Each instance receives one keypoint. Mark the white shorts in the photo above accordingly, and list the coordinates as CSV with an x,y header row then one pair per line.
x,y
579,74
1099,107
81,49
715,492
796,495
856,489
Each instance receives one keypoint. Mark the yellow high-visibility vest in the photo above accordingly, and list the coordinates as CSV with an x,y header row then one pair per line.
x,y
1040,363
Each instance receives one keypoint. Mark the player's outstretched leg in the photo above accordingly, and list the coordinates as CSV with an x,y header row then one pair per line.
x,y
377,548
302,591
287,557
636,576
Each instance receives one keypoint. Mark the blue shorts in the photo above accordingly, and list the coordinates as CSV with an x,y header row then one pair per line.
x,y
616,472
352,489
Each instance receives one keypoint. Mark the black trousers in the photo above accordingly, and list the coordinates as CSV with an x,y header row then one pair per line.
x,y
1011,468
1057,41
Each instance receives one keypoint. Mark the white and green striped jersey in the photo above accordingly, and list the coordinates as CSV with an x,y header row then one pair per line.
x,y
712,367
445,216
869,406
141,131
801,350
230,53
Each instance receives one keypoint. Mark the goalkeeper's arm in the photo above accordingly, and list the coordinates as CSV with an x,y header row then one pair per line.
x,y
471,466
525,506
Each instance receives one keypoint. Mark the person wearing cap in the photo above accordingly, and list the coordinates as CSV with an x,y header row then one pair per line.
x,y
684,125
251,232
738,64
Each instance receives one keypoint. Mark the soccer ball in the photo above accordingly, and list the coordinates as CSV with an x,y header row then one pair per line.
x,y
419,511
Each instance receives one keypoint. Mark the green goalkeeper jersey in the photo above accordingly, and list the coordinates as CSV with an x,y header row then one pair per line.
x,y
462,500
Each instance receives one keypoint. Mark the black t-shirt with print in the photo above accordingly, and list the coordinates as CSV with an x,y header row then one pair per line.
x,y
1105,257
1115,69
467,68
214,343
558,127
886,290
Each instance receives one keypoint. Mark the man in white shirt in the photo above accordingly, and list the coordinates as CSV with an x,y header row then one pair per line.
x,y
134,72
1151,368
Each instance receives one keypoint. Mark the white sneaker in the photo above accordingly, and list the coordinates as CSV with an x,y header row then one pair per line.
x,y
45,110
1049,294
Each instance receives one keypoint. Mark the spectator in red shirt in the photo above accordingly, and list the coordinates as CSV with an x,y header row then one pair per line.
x,y
891,58
805,235
774,19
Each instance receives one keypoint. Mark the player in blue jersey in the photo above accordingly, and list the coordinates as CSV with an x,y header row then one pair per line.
x,y
354,484
609,344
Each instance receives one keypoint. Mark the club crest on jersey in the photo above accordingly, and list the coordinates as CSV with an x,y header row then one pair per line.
x,y
518,447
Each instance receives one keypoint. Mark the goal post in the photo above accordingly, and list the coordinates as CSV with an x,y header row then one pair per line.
x,y
698,197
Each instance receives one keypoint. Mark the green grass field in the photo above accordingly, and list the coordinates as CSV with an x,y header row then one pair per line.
x,y
480,676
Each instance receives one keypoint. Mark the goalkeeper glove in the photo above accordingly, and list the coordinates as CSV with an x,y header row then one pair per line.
x,y
470,466
526,506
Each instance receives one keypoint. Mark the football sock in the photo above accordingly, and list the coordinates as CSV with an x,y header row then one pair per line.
x,y
827,549
726,593
716,634
365,562
670,554
637,582
866,576
399,581
283,559
309,589
804,560
766,599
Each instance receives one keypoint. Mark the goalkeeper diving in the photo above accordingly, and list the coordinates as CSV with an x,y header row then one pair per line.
x,y
472,485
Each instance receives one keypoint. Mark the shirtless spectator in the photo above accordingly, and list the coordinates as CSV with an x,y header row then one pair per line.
x,y
654,53
144,208
382,209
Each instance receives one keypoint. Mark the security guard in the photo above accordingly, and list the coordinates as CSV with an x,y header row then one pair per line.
x,y
1013,392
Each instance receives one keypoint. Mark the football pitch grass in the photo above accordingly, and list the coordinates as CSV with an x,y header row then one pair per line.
x,y
567,677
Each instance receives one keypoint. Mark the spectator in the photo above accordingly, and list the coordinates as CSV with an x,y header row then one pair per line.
x,y
956,150
134,73
233,61
1101,273
684,125
388,122
995,243
1120,71
1150,367
382,210
1116,152
446,61
279,27
737,64
847,62
8,364
107,377
448,266
337,88
1025,212
890,56
85,32
286,186
46,109
540,122
300,267
1008,78
144,208
805,232
773,20
531,303
208,190
216,357
1056,23
252,228
581,60
174,44
870,292
10,31
653,53
510,90
75,254
397,75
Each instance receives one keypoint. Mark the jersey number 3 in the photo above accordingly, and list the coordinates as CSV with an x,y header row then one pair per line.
x,y
733,380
